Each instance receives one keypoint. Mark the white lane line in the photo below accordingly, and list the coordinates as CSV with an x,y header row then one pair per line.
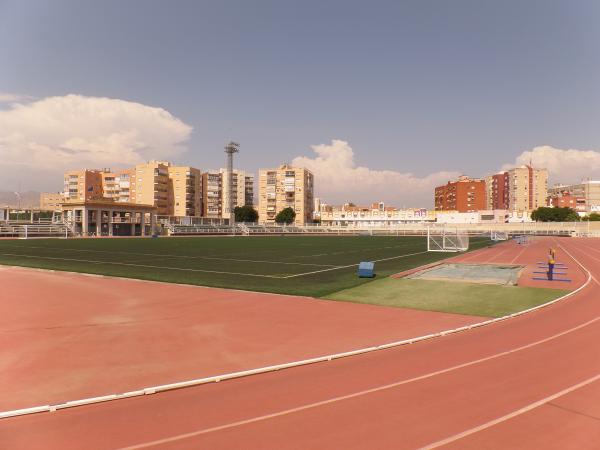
x,y
184,269
350,265
585,254
511,415
519,254
170,256
357,394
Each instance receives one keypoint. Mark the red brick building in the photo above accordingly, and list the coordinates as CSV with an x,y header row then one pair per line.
x,y
463,195
567,200
497,186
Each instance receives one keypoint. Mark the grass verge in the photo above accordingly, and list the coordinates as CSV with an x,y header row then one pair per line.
x,y
486,300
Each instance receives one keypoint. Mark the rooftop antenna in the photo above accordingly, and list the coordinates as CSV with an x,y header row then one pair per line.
x,y
230,149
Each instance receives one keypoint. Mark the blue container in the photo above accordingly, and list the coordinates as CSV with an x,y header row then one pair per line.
x,y
366,269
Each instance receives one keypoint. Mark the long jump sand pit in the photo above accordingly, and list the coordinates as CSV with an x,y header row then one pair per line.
x,y
507,274
67,336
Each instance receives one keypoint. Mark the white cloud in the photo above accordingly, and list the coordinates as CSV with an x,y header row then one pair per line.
x,y
338,179
564,166
55,134
7,97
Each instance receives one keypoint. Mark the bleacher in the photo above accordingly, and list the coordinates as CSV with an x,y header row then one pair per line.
x,y
29,230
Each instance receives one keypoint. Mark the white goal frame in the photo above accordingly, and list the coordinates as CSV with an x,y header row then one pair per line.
x,y
447,241
498,235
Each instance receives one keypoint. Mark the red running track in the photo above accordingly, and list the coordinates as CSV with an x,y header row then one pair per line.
x,y
66,336
529,382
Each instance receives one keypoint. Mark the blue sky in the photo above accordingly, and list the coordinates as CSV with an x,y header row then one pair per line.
x,y
414,87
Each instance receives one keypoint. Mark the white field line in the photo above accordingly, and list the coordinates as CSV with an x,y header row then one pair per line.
x,y
183,269
228,376
511,415
350,265
172,256
345,252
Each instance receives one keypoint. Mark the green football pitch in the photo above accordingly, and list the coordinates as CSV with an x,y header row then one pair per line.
x,y
303,265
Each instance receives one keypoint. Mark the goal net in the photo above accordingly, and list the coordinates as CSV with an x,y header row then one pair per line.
x,y
498,235
447,240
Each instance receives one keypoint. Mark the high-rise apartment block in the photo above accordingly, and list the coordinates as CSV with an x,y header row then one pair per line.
x,y
527,188
463,195
497,191
152,185
81,185
174,190
184,191
242,189
215,195
521,189
212,192
285,187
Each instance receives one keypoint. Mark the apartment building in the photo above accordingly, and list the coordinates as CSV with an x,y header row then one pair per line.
x,y
125,179
586,194
81,185
184,191
497,191
285,187
565,199
242,190
519,190
527,188
377,214
50,201
212,190
216,196
152,185
463,195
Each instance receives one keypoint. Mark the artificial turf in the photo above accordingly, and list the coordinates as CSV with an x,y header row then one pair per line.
x,y
486,300
252,263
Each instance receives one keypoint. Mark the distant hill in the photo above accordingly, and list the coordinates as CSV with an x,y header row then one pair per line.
x,y
29,199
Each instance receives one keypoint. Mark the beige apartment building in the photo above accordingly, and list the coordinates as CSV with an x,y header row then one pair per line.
x,y
527,188
285,187
125,179
212,188
518,190
81,185
184,191
242,190
215,195
173,190
152,185
50,201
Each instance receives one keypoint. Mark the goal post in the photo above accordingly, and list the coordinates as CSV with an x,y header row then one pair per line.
x,y
447,240
498,235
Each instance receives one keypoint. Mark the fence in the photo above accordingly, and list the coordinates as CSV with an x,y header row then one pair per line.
x,y
189,226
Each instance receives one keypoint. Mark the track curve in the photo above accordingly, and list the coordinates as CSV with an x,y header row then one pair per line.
x,y
529,382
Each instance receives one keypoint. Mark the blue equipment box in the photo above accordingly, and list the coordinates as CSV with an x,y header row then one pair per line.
x,y
366,269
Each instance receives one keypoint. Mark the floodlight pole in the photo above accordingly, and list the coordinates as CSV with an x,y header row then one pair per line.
x,y
230,149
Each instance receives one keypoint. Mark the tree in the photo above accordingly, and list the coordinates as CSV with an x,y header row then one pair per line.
x,y
285,216
245,213
548,214
593,217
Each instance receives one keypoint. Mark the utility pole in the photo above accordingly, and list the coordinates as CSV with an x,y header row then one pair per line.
x,y
230,149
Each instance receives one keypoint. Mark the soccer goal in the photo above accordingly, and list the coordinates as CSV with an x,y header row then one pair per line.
x,y
447,240
498,235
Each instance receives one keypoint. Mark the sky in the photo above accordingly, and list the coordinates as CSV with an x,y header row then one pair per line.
x,y
383,100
